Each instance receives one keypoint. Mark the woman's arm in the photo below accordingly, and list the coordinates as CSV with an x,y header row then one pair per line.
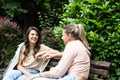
x,y
64,64
52,54
49,53
21,68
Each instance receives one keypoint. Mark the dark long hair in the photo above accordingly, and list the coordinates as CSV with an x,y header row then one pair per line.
x,y
27,44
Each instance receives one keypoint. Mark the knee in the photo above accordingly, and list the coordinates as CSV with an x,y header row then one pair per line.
x,y
23,77
12,74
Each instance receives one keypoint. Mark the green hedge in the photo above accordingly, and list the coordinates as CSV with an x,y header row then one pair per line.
x,y
101,19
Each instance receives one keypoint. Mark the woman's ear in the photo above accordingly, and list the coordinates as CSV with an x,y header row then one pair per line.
x,y
70,36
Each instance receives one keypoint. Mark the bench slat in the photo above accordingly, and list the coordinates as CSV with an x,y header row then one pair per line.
x,y
52,64
100,64
99,72
95,79
100,69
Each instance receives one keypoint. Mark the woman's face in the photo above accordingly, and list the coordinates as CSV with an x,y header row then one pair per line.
x,y
33,37
65,37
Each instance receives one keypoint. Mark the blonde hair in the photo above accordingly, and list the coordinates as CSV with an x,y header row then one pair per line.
x,y
78,32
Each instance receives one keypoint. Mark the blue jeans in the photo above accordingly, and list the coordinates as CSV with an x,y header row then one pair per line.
x,y
17,75
66,77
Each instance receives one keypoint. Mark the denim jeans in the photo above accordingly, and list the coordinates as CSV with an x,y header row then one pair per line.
x,y
17,75
66,77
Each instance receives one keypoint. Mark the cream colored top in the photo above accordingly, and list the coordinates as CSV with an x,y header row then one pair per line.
x,y
30,62
75,61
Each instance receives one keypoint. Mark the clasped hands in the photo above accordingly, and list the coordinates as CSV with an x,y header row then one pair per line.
x,y
47,54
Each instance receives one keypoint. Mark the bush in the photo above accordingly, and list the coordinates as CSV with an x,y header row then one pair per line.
x,y
10,37
101,20
49,39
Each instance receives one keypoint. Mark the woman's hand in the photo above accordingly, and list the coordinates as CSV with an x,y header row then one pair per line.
x,y
51,54
33,76
39,54
48,55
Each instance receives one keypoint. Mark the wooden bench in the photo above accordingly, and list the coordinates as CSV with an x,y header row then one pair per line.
x,y
99,69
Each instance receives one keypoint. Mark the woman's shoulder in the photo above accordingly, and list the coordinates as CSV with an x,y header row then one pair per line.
x,y
74,42
43,46
23,48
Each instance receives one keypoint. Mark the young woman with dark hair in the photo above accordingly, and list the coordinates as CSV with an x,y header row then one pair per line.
x,y
29,61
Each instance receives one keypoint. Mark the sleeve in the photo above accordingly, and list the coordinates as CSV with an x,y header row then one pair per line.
x,y
65,62
45,48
